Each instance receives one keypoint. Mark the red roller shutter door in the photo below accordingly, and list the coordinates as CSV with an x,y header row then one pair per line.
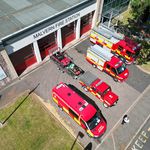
x,y
23,58
46,44
86,23
68,33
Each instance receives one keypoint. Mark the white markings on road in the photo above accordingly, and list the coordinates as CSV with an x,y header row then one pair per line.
x,y
142,137
118,122
113,141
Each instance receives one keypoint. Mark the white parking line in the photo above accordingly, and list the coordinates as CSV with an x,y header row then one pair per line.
x,y
118,123
113,141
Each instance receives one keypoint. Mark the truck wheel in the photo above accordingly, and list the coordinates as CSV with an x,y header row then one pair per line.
x,y
116,80
135,62
89,135
105,105
62,71
85,89
75,77
115,103
60,108
94,66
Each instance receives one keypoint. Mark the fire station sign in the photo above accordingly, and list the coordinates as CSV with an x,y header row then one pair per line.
x,y
57,25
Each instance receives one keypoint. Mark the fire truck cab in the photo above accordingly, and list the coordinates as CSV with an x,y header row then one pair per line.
x,y
118,43
104,60
98,88
85,114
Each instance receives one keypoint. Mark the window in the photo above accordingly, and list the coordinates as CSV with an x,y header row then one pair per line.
x,y
72,113
93,88
129,53
94,121
121,69
114,70
83,123
120,48
108,66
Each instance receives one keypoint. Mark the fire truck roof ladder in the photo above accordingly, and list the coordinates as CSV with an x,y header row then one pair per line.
x,y
108,33
102,52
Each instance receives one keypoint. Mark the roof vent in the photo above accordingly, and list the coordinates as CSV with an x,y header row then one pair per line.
x,y
80,103
69,94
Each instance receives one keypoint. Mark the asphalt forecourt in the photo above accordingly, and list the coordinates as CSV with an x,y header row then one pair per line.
x,y
49,76
127,96
128,136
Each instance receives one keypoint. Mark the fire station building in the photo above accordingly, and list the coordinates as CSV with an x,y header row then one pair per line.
x,y
30,30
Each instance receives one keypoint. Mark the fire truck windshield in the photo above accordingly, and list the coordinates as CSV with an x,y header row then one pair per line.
x,y
121,69
93,122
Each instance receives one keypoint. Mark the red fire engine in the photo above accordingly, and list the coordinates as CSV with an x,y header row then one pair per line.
x,y
104,60
99,88
118,43
66,64
84,113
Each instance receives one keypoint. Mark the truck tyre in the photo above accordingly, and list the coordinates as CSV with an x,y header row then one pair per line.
x,y
94,66
89,135
62,71
115,103
105,105
85,89
116,80
134,62
75,77
60,108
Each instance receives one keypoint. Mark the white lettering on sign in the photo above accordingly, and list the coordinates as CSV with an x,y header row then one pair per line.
x,y
141,140
57,25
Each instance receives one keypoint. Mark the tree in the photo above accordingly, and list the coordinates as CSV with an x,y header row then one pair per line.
x,y
144,55
141,7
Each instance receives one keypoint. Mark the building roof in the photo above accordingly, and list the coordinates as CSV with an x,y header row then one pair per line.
x,y
18,15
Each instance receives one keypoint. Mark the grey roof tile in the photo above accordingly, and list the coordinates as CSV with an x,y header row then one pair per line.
x,y
16,15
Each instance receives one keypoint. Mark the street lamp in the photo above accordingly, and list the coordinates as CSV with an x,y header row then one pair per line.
x,y
81,135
